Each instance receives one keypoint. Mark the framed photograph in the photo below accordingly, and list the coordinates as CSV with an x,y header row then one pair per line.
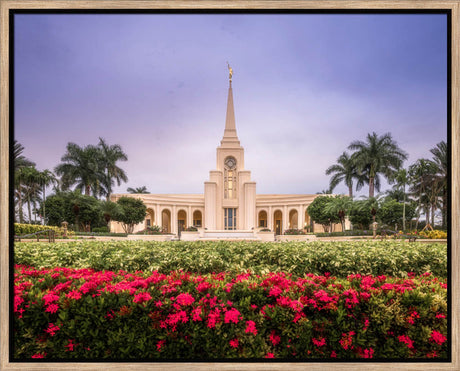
x,y
251,185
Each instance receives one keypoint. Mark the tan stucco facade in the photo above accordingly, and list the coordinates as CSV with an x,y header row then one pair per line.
x,y
230,202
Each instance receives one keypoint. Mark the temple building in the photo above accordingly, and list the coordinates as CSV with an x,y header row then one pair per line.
x,y
230,206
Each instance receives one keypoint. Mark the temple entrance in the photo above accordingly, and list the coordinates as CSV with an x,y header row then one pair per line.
x,y
149,219
166,220
181,221
278,222
230,219
197,219
263,219
293,219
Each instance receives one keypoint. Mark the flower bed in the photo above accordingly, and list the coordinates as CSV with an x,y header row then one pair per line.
x,y
392,258
65,313
22,229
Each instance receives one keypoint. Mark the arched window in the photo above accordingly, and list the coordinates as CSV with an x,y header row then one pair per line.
x,y
263,219
230,177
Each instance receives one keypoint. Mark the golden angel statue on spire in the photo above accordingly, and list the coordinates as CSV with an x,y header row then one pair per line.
x,y
230,71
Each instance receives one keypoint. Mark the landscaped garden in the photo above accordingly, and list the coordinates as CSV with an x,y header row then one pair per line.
x,y
179,300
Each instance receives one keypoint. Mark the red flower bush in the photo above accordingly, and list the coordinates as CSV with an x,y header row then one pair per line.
x,y
65,313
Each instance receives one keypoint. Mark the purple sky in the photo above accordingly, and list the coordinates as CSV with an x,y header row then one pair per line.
x,y
305,86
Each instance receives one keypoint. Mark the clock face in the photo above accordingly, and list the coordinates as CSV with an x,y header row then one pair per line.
x,y
230,162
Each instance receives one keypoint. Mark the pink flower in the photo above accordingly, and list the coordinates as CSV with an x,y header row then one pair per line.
x,y
73,295
270,355
39,355
52,308
52,329
142,297
333,354
70,346
185,299
196,314
275,291
440,315
231,316
407,340
50,298
234,343
319,342
203,286
251,327
158,303
437,337
368,353
160,344
275,339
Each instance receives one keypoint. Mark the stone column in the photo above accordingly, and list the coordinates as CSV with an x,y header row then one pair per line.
x,y
300,217
189,217
285,218
270,218
174,228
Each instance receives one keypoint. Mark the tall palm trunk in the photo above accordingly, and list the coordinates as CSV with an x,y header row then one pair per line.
x,y
88,190
371,187
44,207
21,212
350,192
28,208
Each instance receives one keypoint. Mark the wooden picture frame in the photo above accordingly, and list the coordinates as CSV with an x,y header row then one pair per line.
x,y
6,5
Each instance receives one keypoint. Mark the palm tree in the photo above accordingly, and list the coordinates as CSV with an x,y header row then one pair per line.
x,y
345,171
45,179
82,166
339,205
378,155
109,209
18,158
440,159
142,189
111,154
30,177
401,177
421,175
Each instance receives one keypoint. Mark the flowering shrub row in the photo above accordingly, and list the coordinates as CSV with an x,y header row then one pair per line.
x,y
392,258
65,313
435,234
22,229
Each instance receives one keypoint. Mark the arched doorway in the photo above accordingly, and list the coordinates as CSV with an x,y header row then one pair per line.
x,y
293,219
149,218
278,222
262,219
197,219
181,221
166,220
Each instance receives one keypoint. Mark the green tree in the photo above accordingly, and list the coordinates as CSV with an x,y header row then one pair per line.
x,y
340,206
360,215
82,167
317,212
345,170
378,155
132,211
45,179
392,212
109,209
18,159
401,178
441,160
142,189
110,155
422,174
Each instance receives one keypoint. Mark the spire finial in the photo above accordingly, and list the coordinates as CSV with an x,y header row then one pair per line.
x,y
230,72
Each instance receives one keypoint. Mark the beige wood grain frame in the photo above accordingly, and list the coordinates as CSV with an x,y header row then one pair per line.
x,y
6,5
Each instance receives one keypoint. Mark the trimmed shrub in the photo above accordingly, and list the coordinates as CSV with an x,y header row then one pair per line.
x,y
293,231
341,258
67,314
22,229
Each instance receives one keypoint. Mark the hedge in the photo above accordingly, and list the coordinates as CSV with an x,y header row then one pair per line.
x,y
392,258
66,314
22,229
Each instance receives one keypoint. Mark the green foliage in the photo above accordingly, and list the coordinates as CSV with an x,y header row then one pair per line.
x,y
131,211
62,314
391,212
22,229
318,213
100,230
359,215
74,208
392,258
